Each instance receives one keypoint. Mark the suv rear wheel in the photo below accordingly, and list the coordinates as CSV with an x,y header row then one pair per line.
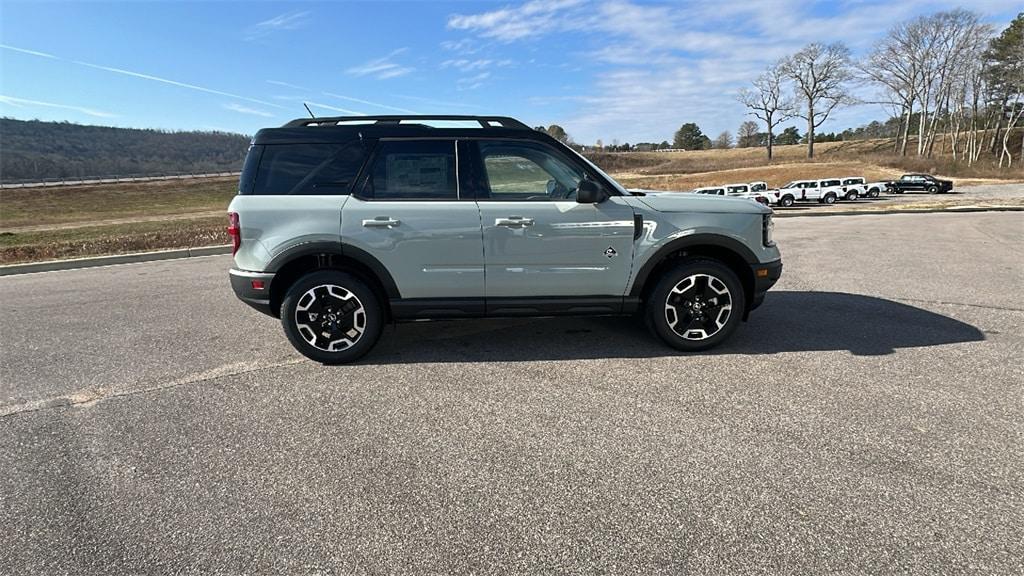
x,y
786,201
696,305
829,198
331,317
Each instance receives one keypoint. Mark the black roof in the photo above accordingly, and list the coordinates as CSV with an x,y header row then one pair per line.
x,y
344,128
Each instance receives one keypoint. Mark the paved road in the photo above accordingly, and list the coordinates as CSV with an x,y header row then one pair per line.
x,y
869,419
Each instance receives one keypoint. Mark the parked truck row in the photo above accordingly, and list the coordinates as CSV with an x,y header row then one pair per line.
x,y
828,190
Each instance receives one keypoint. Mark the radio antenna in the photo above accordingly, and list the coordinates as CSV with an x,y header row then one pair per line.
x,y
311,115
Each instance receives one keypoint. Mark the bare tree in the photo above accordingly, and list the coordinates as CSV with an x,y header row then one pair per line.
x,y
724,140
768,102
889,66
819,74
747,135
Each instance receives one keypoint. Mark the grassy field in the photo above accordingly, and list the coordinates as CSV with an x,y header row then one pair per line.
x,y
76,221
22,207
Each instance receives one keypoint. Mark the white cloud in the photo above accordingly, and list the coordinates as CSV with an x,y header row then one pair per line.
x,y
27,51
234,107
437,103
534,18
369,103
22,102
466,65
335,109
175,83
286,21
287,85
382,68
472,82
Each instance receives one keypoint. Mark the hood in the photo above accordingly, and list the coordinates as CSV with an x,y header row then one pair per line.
x,y
683,202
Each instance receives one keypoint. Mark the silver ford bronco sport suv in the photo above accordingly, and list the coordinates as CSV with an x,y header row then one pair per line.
x,y
344,224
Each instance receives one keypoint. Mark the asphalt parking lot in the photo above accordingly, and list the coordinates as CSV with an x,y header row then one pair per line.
x,y
868,419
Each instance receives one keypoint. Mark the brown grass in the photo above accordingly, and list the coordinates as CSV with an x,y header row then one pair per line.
x,y
97,202
116,239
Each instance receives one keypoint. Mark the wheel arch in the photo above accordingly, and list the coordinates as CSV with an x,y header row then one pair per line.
x,y
728,251
296,262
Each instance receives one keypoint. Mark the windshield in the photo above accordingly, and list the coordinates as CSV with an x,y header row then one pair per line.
x,y
712,191
791,185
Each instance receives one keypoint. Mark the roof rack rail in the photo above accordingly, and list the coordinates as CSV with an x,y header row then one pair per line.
x,y
484,121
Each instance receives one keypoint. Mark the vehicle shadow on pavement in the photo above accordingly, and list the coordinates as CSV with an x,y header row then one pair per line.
x,y
786,322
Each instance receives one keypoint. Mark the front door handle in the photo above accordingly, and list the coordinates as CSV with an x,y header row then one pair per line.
x,y
513,222
381,222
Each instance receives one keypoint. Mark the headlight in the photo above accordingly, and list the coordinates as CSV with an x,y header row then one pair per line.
x,y
767,228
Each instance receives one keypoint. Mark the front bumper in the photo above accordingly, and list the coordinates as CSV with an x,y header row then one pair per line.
x,y
244,284
765,276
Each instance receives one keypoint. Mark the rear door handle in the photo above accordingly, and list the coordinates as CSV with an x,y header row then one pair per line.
x,y
513,222
381,222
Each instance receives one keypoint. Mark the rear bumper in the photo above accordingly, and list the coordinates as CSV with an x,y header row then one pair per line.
x,y
242,283
765,276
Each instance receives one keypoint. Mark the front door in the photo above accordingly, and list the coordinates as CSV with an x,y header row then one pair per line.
x,y
408,213
538,241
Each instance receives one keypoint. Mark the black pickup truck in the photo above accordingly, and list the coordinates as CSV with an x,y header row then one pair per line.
x,y
920,183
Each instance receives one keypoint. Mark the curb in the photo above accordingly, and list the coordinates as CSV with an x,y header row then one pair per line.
x,y
53,265
954,209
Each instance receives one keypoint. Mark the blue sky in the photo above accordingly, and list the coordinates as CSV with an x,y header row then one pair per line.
x,y
610,69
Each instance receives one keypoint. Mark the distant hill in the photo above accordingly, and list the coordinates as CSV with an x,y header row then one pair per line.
x,y
35,150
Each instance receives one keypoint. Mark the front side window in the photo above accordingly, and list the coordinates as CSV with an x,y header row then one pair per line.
x,y
525,171
306,169
413,170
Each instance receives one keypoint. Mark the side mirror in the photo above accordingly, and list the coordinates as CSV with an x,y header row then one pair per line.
x,y
588,192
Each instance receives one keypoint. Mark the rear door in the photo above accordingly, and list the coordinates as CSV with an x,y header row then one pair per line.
x,y
409,213
538,241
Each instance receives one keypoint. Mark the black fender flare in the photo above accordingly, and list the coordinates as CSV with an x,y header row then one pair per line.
x,y
338,249
703,239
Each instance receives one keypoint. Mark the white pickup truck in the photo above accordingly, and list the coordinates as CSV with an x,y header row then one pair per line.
x,y
737,191
824,191
862,188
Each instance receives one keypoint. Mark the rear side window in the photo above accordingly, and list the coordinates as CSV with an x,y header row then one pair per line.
x,y
252,163
307,169
413,170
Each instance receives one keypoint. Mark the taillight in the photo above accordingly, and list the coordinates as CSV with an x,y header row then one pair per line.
x,y
235,231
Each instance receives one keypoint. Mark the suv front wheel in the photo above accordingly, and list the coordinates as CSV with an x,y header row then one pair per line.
x,y
696,305
331,317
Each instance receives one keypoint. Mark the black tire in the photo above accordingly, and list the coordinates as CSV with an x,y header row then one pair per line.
x,y
873,193
344,333
829,198
852,195
786,201
933,189
711,281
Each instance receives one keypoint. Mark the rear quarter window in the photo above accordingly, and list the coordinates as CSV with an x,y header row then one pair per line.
x,y
307,169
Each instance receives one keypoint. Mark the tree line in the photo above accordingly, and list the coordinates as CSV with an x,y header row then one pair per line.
x,y
36,150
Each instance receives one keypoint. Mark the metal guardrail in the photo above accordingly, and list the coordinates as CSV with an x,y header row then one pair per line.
x,y
111,180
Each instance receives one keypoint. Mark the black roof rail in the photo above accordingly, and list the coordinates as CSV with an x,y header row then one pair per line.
x,y
484,121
